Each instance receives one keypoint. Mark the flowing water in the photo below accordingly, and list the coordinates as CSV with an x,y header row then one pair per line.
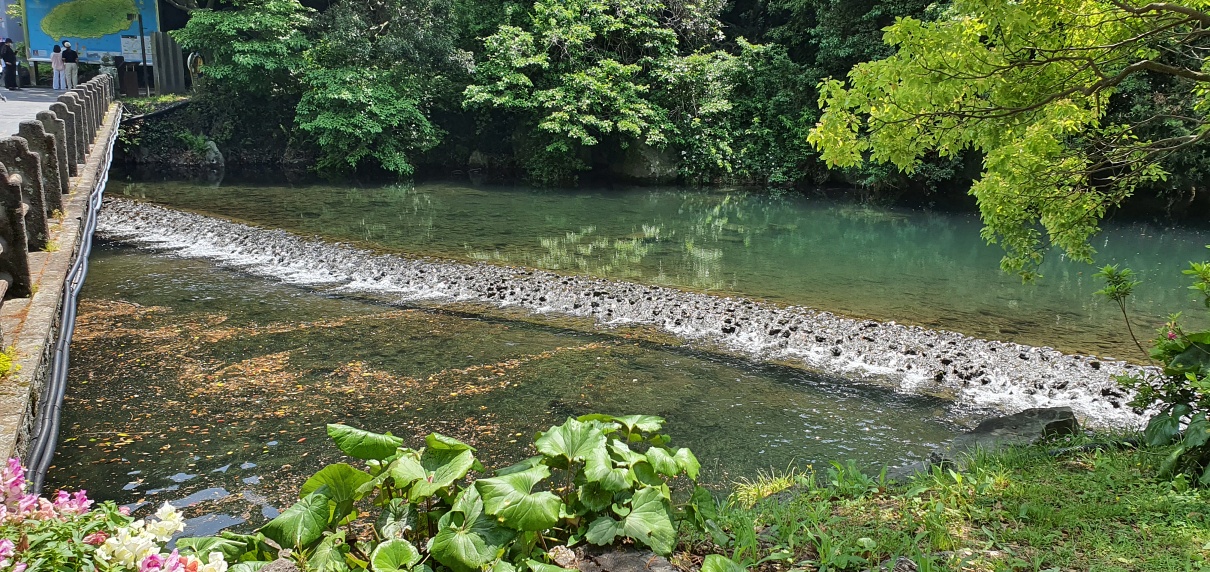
x,y
924,268
212,387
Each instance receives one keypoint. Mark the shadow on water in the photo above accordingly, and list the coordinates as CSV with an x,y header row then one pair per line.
x,y
211,389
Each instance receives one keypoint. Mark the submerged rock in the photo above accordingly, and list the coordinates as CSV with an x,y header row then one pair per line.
x,y
1025,428
621,559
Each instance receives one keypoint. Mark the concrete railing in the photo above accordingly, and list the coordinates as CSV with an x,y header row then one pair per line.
x,y
53,171
36,166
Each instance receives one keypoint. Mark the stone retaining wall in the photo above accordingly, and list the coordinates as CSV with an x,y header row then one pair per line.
x,y
47,172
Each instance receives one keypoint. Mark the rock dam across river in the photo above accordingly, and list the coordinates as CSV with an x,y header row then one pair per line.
x,y
910,359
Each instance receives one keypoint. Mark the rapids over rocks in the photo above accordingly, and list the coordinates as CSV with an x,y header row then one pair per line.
x,y
910,359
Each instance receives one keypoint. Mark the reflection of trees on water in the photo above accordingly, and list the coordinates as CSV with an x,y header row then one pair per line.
x,y
927,268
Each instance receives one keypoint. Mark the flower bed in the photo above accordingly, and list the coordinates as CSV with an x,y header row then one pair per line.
x,y
69,533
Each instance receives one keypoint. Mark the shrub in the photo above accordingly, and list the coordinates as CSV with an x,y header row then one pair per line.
x,y
68,534
611,482
1181,390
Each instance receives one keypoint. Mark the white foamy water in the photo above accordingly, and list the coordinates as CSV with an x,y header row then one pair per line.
x,y
1000,375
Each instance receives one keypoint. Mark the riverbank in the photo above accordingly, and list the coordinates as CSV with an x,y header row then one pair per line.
x,y
1019,509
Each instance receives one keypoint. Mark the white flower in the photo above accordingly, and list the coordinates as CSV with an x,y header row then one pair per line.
x,y
170,523
127,547
214,564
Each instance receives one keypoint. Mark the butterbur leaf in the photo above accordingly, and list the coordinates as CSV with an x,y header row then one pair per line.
x,y
1197,432
662,462
502,566
1205,478
300,525
640,423
441,468
1168,466
703,506
1195,359
572,441
329,556
466,539
1161,430
522,466
536,566
231,549
439,441
598,468
342,480
687,462
594,497
649,522
509,498
624,453
394,554
363,444
603,531
396,518
247,566
716,563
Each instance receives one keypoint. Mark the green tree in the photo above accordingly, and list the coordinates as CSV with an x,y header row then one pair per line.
x,y
371,78
253,50
578,73
1026,84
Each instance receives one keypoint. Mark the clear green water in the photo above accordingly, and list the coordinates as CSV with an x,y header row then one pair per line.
x,y
194,384
929,269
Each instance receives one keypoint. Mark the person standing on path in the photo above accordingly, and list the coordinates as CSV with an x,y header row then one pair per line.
x,y
70,68
9,56
58,69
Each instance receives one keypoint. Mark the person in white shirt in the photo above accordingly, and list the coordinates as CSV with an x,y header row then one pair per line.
x,y
58,69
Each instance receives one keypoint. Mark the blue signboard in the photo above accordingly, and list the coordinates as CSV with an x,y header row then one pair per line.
x,y
95,28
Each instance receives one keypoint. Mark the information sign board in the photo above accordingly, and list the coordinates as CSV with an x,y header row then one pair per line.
x,y
95,28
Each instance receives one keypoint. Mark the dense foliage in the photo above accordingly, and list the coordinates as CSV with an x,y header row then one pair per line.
x,y
1070,107
1027,86
611,485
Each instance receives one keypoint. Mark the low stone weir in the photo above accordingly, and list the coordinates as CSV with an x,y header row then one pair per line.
x,y
981,373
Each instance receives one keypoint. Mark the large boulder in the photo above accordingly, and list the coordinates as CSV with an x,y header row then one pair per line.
x,y
1024,428
642,163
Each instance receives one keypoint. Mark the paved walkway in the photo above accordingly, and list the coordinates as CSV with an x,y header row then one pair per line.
x,y
23,105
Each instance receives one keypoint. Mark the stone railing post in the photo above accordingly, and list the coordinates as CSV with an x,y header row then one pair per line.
x,y
43,144
83,134
75,152
14,253
16,156
58,129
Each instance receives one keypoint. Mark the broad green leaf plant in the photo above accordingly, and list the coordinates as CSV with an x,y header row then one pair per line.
x,y
598,479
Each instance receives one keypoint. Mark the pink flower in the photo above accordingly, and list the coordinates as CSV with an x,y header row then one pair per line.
x,y
19,567
124,510
46,510
6,548
12,482
76,503
97,538
152,563
27,504
174,563
1171,335
158,563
